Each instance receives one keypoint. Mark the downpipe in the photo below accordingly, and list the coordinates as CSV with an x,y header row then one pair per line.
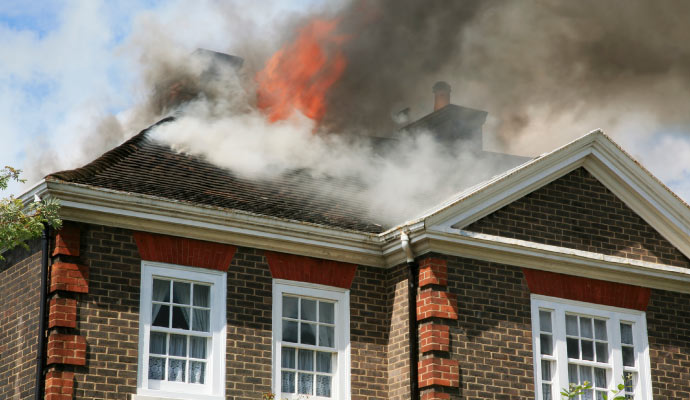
x,y
40,355
412,283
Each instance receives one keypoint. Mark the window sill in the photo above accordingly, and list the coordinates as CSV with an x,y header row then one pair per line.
x,y
150,395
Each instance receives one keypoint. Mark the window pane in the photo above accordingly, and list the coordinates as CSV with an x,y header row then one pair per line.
x,y
156,368
181,292
626,334
586,327
290,308
180,317
602,352
161,290
305,383
308,310
289,331
587,350
308,333
545,370
600,329
572,373
326,336
160,315
571,325
323,362
545,321
546,391
178,345
287,384
287,357
629,382
176,370
585,374
600,396
197,371
157,343
628,356
201,320
573,348
305,360
326,312
197,347
323,386
599,377
546,345
201,295
588,395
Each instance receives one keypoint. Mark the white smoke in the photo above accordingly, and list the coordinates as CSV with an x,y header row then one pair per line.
x,y
416,172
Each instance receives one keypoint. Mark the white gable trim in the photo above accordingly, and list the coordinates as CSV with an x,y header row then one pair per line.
x,y
607,162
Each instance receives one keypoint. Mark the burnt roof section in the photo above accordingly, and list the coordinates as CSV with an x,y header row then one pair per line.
x,y
144,166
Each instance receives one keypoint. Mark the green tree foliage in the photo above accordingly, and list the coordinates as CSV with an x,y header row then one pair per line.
x,y
20,222
574,391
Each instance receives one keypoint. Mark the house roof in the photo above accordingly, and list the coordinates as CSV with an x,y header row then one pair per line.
x,y
144,166
440,230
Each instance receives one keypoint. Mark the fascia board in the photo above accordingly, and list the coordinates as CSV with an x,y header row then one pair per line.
x,y
645,195
532,255
131,211
509,190
641,180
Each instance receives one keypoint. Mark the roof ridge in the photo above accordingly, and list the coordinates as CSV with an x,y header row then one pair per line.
x,y
108,158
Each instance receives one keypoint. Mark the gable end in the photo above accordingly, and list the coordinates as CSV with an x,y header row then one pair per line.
x,y
577,211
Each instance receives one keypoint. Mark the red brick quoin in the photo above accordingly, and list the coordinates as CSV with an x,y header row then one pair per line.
x,y
62,312
439,371
183,251
433,303
313,270
434,337
67,240
66,349
433,271
69,277
433,395
59,385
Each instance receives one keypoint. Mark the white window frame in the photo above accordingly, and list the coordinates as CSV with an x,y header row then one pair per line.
x,y
341,381
613,316
214,387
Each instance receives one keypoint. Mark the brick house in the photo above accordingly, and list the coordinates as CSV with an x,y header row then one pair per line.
x,y
186,282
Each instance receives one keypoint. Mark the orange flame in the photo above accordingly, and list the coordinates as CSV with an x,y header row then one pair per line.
x,y
298,76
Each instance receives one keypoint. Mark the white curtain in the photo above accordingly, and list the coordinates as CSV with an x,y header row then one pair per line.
x,y
159,292
201,320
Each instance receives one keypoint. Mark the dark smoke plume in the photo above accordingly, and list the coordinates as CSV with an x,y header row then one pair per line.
x,y
568,67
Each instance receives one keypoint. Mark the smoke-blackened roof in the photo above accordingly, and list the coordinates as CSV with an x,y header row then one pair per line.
x,y
144,166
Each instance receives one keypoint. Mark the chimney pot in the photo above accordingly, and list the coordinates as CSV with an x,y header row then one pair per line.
x,y
441,91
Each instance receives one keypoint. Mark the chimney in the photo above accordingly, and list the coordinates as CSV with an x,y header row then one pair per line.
x,y
441,91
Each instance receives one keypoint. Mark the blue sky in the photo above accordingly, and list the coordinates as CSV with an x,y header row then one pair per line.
x,y
65,65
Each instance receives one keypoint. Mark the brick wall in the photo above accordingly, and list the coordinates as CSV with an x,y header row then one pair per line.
x,y
398,338
492,338
108,318
248,360
577,211
20,282
369,322
668,329
108,315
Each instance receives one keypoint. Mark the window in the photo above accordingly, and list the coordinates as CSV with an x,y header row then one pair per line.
x,y
181,332
576,342
311,341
